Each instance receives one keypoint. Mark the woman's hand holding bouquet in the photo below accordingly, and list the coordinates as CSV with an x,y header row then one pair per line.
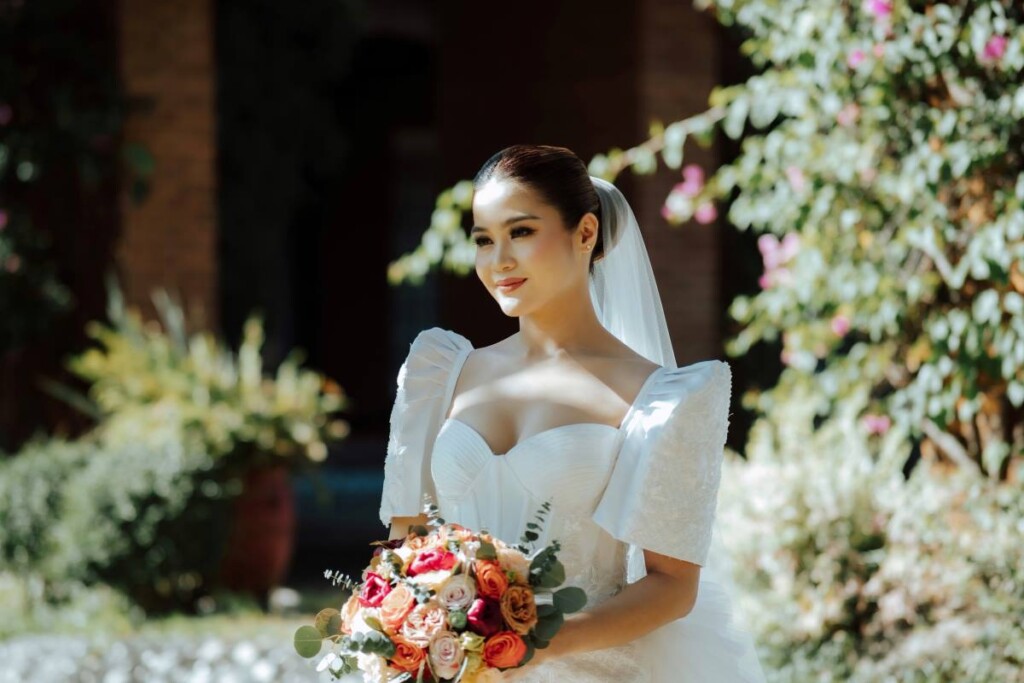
x,y
444,604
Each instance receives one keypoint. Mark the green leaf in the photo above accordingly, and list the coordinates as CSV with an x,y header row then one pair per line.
x,y
328,622
486,551
571,599
547,627
553,577
308,641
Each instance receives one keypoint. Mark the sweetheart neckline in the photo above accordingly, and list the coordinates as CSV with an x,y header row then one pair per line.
x,y
483,441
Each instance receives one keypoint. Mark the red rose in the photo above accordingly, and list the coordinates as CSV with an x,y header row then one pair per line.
x,y
375,588
484,616
504,650
431,561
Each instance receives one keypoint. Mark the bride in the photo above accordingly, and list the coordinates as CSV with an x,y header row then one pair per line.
x,y
583,407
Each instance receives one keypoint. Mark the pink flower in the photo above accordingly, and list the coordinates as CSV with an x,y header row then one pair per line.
x,y
692,173
994,50
878,50
796,178
876,424
847,116
375,589
855,58
880,9
666,213
432,560
840,325
706,213
3,219
13,263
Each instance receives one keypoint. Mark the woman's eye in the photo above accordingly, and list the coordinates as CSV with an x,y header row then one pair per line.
x,y
481,241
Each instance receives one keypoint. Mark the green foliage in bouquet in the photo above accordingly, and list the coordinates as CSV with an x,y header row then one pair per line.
x,y
147,383
357,630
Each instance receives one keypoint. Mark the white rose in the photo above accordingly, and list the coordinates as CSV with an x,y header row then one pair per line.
x,y
514,561
457,593
445,653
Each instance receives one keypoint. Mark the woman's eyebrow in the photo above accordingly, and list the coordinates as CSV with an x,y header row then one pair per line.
x,y
509,221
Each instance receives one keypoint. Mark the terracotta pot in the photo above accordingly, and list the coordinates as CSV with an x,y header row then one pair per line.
x,y
262,533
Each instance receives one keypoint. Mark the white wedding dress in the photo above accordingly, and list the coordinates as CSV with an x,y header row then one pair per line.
x,y
650,483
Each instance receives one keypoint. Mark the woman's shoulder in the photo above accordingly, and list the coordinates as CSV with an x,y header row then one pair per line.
x,y
702,382
439,338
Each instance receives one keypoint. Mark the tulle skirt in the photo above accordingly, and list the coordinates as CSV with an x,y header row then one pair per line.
x,y
705,646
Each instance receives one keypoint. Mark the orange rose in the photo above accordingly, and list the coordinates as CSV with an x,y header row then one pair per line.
x,y
504,650
408,655
396,607
491,581
517,608
348,613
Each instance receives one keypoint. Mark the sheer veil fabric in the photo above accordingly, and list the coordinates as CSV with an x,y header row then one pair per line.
x,y
626,299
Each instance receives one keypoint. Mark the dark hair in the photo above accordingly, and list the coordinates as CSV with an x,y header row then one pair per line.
x,y
556,174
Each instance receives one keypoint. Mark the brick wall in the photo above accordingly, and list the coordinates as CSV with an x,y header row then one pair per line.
x,y
677,69
169,241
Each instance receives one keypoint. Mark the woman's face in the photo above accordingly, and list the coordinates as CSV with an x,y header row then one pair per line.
x,y
521,239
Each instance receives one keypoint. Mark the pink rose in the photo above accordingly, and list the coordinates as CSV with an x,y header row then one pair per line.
x,y
375,589
445,654
423,622
484,617
432,560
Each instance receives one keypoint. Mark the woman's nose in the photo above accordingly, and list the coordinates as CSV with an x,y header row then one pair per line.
x,y
503,254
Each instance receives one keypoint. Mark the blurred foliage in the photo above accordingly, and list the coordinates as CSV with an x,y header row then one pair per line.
x,y
151,382
61,111
848,569
141,503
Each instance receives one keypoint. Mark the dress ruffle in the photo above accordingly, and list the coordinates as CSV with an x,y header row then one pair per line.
x,y
425,386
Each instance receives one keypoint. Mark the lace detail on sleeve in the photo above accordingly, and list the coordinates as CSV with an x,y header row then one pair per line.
x,y
425,384
663,492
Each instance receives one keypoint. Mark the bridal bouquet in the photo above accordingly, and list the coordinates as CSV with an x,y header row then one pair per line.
x,y
444,604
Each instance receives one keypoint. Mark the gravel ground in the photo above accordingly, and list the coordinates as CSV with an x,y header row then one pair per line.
x,y
173,659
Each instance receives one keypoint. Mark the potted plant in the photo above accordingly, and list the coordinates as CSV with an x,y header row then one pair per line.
x,y
149,379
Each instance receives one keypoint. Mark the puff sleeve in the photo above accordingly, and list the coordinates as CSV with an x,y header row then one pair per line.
x,y
425,384
663,491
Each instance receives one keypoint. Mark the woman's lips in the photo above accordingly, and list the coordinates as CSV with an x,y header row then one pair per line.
x,y
513,285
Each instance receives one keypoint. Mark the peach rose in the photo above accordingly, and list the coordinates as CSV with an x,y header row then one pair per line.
x,y
423,622
504,650
395,607
348,613
491,581
519,609
445,654
408,655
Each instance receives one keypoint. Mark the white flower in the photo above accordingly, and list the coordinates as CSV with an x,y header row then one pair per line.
x,y
457,593
445,654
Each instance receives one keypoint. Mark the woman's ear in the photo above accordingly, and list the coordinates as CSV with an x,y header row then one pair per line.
x,y
587,230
